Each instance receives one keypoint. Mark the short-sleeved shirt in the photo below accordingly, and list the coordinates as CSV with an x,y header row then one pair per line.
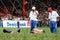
x,y
33,15
53,15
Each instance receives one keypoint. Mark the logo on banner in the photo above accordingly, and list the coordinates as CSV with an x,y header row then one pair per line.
x,y
11,24
28,23
22,24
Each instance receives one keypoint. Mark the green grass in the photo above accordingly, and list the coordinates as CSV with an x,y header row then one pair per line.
x,y
25,35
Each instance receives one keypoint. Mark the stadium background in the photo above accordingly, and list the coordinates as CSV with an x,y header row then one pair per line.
x,y
19,9
12,9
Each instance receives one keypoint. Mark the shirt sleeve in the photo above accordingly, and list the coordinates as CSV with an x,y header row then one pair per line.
x,y
57,14
37,12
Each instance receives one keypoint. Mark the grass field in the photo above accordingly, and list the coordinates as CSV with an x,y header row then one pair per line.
x,y
25,35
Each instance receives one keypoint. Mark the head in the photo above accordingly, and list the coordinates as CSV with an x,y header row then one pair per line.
x,y
49,9
33,8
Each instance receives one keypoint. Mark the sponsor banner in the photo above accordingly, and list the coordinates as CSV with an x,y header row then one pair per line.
x,y
1,24
10,23
28,24
24,24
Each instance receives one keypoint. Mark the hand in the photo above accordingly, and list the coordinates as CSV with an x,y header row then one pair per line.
x,y
57,19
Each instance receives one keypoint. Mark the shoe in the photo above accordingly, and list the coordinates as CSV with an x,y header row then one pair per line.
x,y
31,32
18,30
43,31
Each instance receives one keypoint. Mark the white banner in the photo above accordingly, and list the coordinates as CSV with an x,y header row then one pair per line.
x,y
9,23
22,24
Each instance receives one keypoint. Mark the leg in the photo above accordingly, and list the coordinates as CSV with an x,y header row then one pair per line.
x,y
32,25
18,24
35,23
51,26
35,30
51,29
6,31
18,30
54,27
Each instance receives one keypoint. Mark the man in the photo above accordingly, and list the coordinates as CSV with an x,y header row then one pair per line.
x,y
53,15
33,17
12,32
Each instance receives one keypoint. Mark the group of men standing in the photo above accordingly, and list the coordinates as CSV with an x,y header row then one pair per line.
x,y
53,18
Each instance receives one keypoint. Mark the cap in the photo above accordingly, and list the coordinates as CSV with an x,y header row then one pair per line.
x,y
49,9
33,7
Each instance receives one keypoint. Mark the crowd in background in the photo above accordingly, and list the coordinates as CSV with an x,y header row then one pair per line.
x,y
12,9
